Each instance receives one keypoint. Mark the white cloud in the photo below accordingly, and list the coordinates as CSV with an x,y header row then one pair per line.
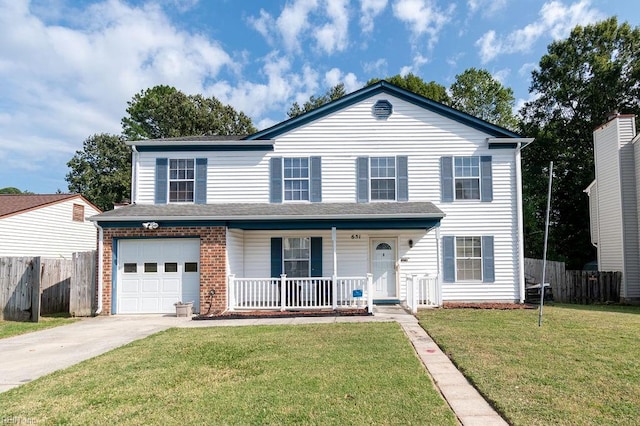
x,y
502,75
487,7
378,67
293,21
335,76
423,17
554,19
418,62
333,36
62,84
369,10
526,69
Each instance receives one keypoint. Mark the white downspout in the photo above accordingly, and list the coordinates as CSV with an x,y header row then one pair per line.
x,y
100,267
520,221
134,174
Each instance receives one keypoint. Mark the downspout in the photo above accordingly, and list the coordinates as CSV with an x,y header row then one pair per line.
x,y
520,220
100,267
134,174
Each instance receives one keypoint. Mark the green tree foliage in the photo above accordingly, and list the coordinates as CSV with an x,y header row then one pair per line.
x,y
101,171
477,93
336,92
580,80
417,85
165,112
11,190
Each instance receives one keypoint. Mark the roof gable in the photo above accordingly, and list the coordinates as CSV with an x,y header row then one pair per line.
x,y
11,204
372,90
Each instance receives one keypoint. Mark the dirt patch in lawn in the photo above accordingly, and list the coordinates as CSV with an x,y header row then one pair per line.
x,y
489,305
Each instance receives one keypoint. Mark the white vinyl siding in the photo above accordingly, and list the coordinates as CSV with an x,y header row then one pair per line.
x,y
49,231
339,139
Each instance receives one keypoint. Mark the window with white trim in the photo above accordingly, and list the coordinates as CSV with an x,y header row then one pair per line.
x,y
296,179
466,175
383,178
469,258
296,256
181,180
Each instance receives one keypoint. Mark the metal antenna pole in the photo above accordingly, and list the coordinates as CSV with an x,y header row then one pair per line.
x,y
544,254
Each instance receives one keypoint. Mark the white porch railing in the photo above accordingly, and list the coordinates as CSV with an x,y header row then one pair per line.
x,y
300,293
422,291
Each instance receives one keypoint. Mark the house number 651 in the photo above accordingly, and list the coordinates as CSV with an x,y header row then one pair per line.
x,y
355,236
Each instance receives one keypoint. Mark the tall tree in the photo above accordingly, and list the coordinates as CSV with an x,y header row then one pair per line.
x,y
101,171
579,81
164,112
477,93
417,85
336,92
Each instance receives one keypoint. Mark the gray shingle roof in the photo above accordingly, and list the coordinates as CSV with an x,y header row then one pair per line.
x,y
263,211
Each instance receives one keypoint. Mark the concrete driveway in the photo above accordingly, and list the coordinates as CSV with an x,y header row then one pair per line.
x,y
29,356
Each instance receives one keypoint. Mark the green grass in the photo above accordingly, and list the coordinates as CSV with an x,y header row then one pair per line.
x,y
581,367
363,373
14,328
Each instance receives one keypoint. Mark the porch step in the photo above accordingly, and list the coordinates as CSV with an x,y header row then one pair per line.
x,y
386,301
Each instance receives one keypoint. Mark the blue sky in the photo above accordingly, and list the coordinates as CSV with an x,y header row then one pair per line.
x,y
68,68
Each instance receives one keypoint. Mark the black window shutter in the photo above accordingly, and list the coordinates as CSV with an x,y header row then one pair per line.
x,y
446,179
362,174
200,196
403,178
449,260
276,257
275,187
486,183
161,181
315,193
316,256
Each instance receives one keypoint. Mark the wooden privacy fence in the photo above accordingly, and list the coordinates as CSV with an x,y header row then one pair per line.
x,y
32,286
580,287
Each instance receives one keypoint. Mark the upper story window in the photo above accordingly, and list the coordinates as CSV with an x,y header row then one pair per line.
x,y
181,180
383,178
466,178
466,172
296,179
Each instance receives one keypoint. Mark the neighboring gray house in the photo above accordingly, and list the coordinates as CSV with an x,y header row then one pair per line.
x,y
613,201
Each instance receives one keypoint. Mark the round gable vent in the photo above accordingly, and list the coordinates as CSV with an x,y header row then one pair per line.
x,y
382,109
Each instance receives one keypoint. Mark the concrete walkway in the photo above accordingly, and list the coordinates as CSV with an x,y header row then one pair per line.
x,y
25,358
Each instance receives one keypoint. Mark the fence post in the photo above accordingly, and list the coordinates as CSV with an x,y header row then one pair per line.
x,y
231,292
370,293
283,292
35,289
415,289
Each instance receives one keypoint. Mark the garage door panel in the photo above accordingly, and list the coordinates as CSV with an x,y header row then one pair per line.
x,y
157,289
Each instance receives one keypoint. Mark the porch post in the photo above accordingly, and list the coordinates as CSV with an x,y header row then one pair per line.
x,y
414,293
334,277
231,292
283,291
438,295
370,293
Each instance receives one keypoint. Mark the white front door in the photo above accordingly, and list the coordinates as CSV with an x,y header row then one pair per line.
x,y
383,267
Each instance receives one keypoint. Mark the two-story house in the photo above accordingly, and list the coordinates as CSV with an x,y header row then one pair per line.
x,y
355,202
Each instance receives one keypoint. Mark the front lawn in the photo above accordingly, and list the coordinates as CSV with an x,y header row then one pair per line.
x,y
14,328
581,367
363,373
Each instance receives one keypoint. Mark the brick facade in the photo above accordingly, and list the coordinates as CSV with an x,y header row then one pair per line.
x,y
213,273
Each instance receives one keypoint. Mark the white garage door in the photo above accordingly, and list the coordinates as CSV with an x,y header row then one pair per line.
x,y
154,274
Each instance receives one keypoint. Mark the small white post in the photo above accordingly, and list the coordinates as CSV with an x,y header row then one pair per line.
x,y
334,291
370,293
283,292
415,283
231,292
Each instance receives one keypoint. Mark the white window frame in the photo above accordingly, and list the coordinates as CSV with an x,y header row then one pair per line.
x,y
466,257
190,165
285,259
302,180
466,175
385,178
